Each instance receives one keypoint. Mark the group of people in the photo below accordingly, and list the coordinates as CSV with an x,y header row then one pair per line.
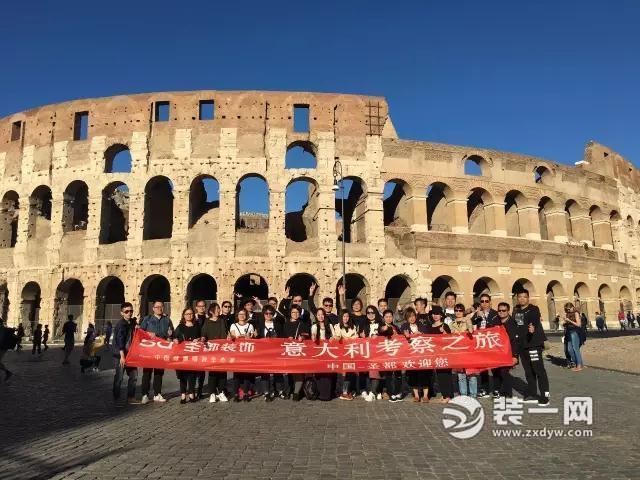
x,y
288,319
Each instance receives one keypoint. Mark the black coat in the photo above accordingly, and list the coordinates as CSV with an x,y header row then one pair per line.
x,y
278,327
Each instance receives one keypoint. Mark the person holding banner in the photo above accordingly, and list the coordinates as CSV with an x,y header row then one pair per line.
x,y
371,329
444,376
242,329
467,382
187,330
392,378
215,328
346,330
160,325
321,331
269,327
296,329
503,381
419,380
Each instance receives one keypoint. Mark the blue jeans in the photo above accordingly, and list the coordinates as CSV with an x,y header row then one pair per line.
x,y
473,384
574,347
132,373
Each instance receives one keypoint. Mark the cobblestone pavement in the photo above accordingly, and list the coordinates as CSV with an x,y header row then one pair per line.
x,y
58,423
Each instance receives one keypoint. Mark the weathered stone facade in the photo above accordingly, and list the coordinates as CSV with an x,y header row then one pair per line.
x,y
565,233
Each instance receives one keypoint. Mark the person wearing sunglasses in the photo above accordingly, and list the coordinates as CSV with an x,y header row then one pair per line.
x,y
227,314
444,376
215,328
502,379
122,341
270,327
484,317
327,305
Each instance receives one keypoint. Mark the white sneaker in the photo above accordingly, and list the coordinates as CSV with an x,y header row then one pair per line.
x,y
379,396
159,398
370,397
222,397
144,400
213,398
364,395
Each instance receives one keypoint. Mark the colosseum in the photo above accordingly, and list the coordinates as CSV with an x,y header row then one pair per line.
x,y
141,198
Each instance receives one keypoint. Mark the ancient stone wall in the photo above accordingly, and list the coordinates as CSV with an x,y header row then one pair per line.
x,y
78,237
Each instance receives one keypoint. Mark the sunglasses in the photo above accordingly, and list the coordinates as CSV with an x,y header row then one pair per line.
x,y
127,311
328,304
226,306
459,310
485,301
371,313
502,311
268,314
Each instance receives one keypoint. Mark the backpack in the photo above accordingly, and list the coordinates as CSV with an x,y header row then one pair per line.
x,y
9,339
310,389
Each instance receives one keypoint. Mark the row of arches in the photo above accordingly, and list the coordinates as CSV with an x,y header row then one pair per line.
x,y
110,293
480,212
441,210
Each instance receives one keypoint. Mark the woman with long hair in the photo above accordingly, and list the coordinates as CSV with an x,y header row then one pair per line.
x,y
215,328
242,329
187,330
392,378
574,335
419,380
321,331
346,330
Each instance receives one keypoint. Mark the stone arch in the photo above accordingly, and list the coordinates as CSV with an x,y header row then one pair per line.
x,y
4,301
486,285
399,290
581,297
302,206
117,159
476,165
155,288
520,285
251,285
552,224
440,286
606,300
69,300
357,287
204,201
514,200
556,297
299,284
75,207
252,215
478,214
40,213
114,218
571,210
201,287
158,208
301,154
626,303
354,192
109,298
395,203
30,299
9,212
542,175
601,228
439,207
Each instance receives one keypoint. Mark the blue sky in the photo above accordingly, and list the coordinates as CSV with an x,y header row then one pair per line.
x,y
540,78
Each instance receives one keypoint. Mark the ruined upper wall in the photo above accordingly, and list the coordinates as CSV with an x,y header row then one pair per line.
x,y
251,112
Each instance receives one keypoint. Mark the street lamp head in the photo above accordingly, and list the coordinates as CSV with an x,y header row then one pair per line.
x,y
335,186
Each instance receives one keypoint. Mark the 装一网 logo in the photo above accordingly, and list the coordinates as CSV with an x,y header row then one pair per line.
x,y
463,417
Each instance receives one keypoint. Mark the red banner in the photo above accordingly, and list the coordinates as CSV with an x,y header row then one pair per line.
x,y
489,348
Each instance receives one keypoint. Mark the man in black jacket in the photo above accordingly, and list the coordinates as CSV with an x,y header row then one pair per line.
x,y
122,340
290,300
199,318
485,317
502,379
531,338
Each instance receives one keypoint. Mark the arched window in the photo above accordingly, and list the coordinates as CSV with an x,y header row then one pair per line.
x,y
75,207
541,175
395,205
40,213
158,208
252,203
301,209
155,288
9,211
204,201
301,155
117,159
477,214
439,217
353,191
201,287
476,166
109,298
114,220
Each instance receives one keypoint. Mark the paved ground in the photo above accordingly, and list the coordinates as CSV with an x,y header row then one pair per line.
x,y
57,423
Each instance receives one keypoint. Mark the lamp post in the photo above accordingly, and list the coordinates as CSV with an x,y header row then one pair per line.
x,y
338,177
